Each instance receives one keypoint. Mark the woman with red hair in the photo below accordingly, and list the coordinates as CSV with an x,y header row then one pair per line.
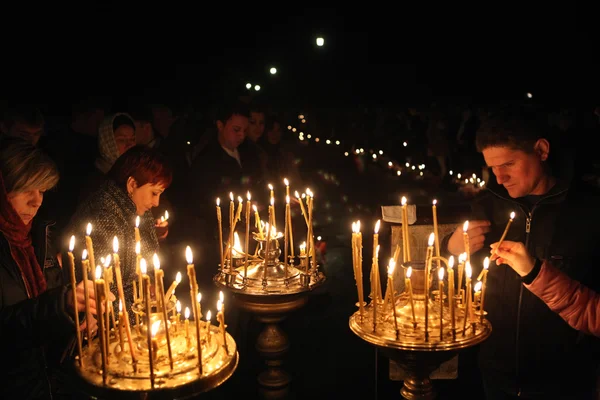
x,y
134,186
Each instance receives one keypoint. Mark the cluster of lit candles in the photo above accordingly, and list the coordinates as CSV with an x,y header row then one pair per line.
x,y
467,301
104,276
233,254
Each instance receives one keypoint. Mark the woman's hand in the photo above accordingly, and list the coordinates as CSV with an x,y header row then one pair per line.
x,y
514,254
162,228
80,306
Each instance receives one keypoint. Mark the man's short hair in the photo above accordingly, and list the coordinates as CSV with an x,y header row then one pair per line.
x,y
228,110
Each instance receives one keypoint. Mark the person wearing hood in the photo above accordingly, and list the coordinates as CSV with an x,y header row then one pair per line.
x,y
532,352
116,135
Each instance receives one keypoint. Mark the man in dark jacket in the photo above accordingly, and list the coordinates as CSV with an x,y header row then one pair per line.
x,y
532,352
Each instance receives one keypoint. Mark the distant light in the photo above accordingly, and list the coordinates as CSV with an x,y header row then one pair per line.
x,y
398,172
301,133
458,176
390,163
362,150
421,173
337,142
248,85
529,95
407,165
380,152
257,87
303,121
320,41
413,167
450,172
478,180
301,116
346,154
318,237
293,129
374,156
404,144
328,141
273,70
309,136
188,142
317,140
289,127
357,151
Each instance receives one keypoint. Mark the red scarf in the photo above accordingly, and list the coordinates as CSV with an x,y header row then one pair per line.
x,y
21,249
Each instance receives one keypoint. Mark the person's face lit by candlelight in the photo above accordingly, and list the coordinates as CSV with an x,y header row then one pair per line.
x,y
233,131
145,197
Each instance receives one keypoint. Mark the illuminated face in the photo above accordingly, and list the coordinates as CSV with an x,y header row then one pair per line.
x,y
146,196
27,203
233,132
125,138
25,131
257,126
519,172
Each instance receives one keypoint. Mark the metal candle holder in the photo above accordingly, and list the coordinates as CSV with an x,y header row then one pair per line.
x,y
124,382
418,355
271,290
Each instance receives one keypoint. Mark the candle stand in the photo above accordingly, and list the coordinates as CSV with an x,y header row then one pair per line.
x,y
270,291
408,346
126,379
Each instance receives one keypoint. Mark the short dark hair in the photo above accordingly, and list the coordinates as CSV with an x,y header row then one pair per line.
x,y
516,128
229,110
144,164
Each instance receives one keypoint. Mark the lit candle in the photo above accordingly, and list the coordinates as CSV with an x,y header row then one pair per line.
x,y
160,290
178,317
146,287
359,259
85,268
102,335
231,223
512,217
467,307
303,257
311,200
302,207
166,217
486,264
208,335
374,299
286,236
405,229
435,231
258,222
138,257
187,327
108,278
441,291
390,283
357,266
272,197
247,247
122,300
462,258
410,295
171,289
477,296
121,326
193,290
220,225
88,244
451,293
154,330
375,281
466,240
221,319
287,186
428,257
74,290
137,229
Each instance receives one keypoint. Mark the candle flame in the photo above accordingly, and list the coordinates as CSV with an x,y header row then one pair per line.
x,y
88,229
120,306
178,307
303,195
512,215
254,208
377,225
297,194
403,201
72,243
208,315
441,273
221,297
137,221
354,229
468,270
240,200
178,278
466,226
450,262
199,297
107,261
434,202
231,196
84,254
143,266
409,272
478,286
155,327
462,257
431,239
391,266
486,263
286,182
303,246
219,305
237,246
358,226
156,261
187,312
287,199
248,196
98,272
270,186
218,202
115,245
188,255
166,215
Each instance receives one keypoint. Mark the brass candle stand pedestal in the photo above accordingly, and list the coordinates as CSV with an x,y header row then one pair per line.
x,y
126,379
406,342
270,291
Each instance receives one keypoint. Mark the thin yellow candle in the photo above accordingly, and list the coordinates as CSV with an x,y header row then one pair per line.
x,y
257,222
108,278
272,197
375,280
74,290
360,263
146,289
435,231
288,215
117,263
208,334
405,229
374,299
171,289
137,229
428,258
231,223
467,307
286,235
193,291
220,226
178,316
311,200
85,268
486,264
451,294
512,217
121,322
302,207
102,335
462,258
160,289
390,272
247,246
187,327
221,319
357,266
154,329
138,257
303,257
410,295
466,240
441,291
88,244
287,186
